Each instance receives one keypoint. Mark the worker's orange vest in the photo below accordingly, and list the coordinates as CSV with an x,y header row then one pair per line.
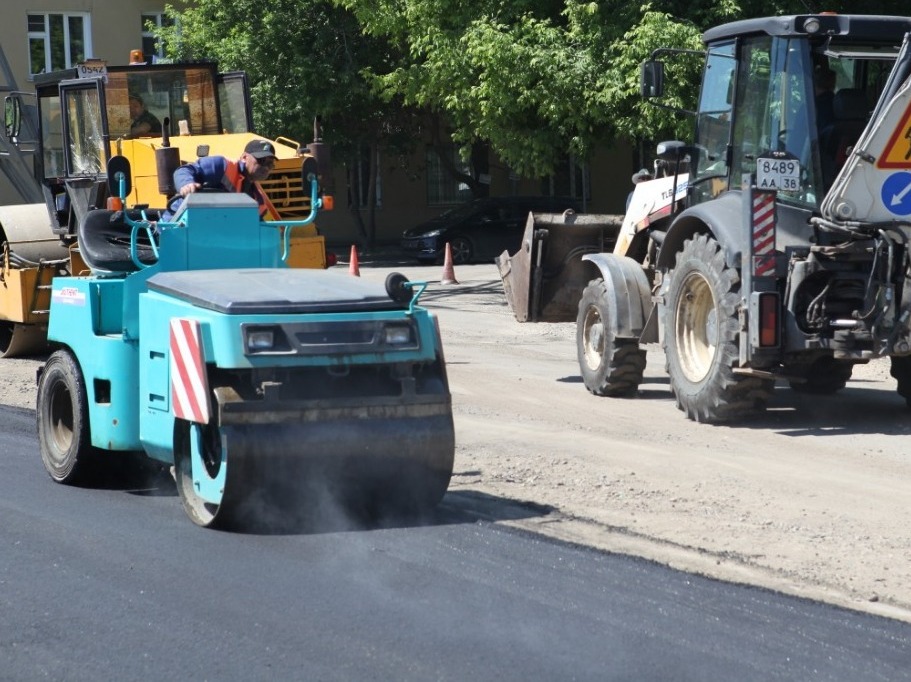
x,y
234,181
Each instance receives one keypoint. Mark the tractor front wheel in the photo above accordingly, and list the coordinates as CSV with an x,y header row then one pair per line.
x,y
609,366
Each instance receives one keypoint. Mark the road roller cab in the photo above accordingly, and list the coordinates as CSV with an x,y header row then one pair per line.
x,y
194,343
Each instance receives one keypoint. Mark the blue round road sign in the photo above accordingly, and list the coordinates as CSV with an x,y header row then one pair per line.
x,y
896,193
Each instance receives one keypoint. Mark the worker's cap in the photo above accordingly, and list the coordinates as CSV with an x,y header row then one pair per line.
x,y
133,95
260,149
641,176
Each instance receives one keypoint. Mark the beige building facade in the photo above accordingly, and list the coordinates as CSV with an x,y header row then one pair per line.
x,y
47,35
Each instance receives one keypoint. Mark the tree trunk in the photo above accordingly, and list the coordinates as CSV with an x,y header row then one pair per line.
x,y
354,200
371,196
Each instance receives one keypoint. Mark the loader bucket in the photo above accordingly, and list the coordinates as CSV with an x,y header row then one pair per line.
x,y
544,279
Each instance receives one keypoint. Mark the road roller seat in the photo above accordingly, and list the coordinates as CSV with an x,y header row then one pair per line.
x,y
104,243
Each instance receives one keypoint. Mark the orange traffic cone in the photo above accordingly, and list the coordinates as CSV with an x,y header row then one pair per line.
x,y
353,266
448,273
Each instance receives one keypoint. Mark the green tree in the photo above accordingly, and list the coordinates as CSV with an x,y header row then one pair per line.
x,y
535,81
539,80
303,59
531,80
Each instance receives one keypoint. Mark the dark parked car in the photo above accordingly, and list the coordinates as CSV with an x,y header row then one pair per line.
x,y
481,229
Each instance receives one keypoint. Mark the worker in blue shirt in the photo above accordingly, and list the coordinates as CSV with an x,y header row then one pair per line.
x,y
218,172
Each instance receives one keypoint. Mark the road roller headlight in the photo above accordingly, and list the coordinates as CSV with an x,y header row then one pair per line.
x,y
265,339
262,339
397,334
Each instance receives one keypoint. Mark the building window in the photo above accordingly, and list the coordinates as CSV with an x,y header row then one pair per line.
x,y
570,179
58,40
442,187
359,180
152,48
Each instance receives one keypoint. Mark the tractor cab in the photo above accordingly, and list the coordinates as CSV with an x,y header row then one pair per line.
x,y
800,89
86,116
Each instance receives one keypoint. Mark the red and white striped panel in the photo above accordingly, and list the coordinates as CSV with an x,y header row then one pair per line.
x,y
189,386
763,233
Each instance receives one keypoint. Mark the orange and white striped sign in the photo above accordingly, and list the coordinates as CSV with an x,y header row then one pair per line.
x,y
763,233
189,386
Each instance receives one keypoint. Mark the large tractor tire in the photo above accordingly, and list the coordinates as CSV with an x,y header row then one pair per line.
x,y
609,366
822,377
701,338
901,370
63,421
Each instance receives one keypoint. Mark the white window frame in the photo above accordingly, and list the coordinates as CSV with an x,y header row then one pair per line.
x,y
45,36
442,189
158,18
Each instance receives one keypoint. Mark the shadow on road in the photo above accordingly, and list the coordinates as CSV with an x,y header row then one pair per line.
x,y
860,408
853,410
324,515
491,293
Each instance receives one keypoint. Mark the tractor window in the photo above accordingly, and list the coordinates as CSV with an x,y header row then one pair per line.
x,y
52,136
185,96
713,125
776,112
235,103
856,87
84,126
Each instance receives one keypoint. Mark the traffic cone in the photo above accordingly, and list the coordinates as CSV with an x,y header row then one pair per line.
x,y
353,266
448,272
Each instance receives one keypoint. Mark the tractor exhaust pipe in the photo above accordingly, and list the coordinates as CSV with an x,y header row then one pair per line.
x,y
167,160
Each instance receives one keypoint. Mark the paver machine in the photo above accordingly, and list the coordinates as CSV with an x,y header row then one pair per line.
x,y
194,344
783,251
74,123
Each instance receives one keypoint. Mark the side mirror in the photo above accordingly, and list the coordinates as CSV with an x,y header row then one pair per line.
x,y
651,79
12,108
119,170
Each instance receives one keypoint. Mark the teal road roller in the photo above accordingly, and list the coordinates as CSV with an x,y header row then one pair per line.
x,y
192,343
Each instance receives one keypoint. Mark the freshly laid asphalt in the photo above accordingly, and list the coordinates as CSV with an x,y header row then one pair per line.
x,y
116,583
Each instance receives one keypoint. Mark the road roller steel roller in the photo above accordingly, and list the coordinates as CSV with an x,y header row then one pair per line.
x,y
260,386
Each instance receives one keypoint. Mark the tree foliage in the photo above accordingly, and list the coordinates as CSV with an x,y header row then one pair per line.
x,y
533,80
304,58
536,80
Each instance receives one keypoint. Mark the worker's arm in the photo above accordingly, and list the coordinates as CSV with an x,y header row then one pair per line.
x,y
206,172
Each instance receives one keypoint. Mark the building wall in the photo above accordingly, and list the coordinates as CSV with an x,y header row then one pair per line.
x,y
404,201
116,28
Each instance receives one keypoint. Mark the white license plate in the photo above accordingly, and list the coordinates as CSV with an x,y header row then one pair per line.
x,y
778,174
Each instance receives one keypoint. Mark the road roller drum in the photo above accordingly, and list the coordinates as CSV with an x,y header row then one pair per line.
x,y
31,256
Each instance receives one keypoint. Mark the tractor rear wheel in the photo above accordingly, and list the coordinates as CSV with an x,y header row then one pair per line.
x,y
609,366
901,370
701,337
63,421
822,377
